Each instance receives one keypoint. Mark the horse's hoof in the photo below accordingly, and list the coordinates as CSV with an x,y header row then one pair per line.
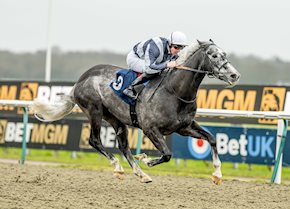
x,y
146,179
216,180
140,156
119,174
149,164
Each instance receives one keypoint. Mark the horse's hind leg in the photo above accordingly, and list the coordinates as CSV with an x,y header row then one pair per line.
x,y
94,112
122,137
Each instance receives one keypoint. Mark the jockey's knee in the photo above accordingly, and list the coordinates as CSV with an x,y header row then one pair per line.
x,y
167,157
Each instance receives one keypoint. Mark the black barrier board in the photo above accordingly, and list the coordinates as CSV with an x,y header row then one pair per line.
x,y
65,134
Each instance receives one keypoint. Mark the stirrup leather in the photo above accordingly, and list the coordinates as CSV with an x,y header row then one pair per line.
x,y
130,93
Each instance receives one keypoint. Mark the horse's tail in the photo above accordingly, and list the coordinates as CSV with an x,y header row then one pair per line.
x,y
47,112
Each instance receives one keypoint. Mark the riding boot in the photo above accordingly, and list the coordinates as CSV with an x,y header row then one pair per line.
x,y
130,90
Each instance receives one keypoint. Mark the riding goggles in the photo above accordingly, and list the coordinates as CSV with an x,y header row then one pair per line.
x,y
175,46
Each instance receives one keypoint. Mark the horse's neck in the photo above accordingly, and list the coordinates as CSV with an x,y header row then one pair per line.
x,y
186,83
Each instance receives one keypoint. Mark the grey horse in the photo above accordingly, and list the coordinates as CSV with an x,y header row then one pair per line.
x,y
166,105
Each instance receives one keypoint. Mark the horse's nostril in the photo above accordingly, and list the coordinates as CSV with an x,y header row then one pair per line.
x,y
234,76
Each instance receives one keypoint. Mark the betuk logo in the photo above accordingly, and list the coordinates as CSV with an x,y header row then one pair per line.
x,y
250,145
198,148
245,145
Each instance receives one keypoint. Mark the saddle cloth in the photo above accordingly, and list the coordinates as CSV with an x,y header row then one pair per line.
x,y
124,78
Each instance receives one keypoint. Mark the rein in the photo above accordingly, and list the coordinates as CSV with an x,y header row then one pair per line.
x,y
183,100
192,70
198,70
208,73
180,67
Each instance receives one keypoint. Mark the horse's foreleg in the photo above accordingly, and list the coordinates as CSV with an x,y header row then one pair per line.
x,y
217,175
197,131
157,139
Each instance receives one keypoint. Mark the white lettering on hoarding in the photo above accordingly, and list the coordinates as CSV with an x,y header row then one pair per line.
x,y
50,94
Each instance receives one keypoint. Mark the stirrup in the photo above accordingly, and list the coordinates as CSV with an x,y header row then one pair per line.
x,y
130,93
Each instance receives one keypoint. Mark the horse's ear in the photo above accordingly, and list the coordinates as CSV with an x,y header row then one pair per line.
x,y
199,42
211,40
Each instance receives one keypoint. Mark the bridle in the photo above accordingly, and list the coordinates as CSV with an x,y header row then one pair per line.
x,y
210,74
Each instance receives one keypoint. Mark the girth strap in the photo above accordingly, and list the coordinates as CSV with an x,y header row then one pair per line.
x,y
133,116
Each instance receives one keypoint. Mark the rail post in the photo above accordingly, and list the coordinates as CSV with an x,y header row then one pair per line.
x,y
25,121
139,142
280,142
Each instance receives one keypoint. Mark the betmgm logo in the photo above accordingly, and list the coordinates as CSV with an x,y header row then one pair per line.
x,y
272,100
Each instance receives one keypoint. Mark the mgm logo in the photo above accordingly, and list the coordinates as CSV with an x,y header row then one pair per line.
x,y
85,136
3,124
272,100
28,91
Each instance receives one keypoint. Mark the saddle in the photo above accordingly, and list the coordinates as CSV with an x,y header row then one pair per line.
x,y
124,78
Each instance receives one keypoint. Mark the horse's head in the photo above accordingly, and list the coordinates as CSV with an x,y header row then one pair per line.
x,y
216,63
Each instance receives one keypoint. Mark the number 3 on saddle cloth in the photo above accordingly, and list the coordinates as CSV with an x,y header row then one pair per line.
x,y
124,78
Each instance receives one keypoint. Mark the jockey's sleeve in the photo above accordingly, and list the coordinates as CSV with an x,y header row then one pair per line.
x,y
151,55
174,57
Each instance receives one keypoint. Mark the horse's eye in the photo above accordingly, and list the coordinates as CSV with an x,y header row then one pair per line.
x,y
210,51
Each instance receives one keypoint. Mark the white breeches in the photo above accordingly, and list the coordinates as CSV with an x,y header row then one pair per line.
x,y
138,65
135,63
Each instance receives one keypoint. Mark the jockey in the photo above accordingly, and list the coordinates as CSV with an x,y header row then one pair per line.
x,y
152,56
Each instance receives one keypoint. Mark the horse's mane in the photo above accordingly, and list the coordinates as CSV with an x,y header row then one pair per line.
x,y
187,52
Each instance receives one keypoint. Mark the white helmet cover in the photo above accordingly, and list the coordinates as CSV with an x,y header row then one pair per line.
x,y
177,38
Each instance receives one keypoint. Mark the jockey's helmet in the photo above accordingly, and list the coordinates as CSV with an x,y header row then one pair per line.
x,y
177,38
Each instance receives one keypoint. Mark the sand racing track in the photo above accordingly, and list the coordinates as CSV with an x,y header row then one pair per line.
x,y
31,186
